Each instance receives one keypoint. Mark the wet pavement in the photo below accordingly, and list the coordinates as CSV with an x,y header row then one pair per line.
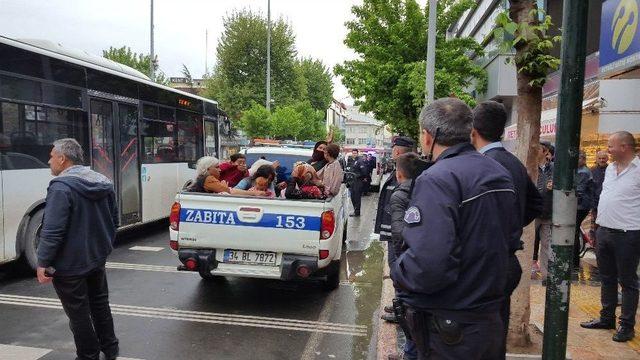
x,y
164,314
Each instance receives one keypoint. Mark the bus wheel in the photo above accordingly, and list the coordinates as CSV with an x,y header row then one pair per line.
x,y
31,239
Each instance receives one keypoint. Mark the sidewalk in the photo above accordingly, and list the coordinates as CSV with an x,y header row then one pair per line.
x,y
582,344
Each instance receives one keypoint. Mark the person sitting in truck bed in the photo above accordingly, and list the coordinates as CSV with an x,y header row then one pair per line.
x,y
234,170
263,178
208,179
304,183
246,183
332,173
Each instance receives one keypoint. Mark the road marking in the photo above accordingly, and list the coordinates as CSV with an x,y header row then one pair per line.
x,y
146,248
202,317
13,352
172,269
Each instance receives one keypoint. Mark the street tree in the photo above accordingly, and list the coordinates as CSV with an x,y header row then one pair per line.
x,y
255,121
141,62
317,80
239,77
520,28
388,77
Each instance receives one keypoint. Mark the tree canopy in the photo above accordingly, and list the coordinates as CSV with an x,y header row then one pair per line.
x,y
388,77
140,62
298,121
239,76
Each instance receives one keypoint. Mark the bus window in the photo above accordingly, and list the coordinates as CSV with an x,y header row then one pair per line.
x,y
102,137
210,136
31,130
158,138
189,136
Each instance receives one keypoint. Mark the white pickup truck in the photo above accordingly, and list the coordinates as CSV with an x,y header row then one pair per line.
x,y
223,235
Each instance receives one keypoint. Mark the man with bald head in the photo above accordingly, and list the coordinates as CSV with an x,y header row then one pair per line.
x,y
618,247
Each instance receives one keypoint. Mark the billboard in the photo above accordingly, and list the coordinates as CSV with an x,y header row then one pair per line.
x,y
619,36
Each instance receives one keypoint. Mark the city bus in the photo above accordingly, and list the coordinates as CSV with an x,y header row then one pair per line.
x,y
144,136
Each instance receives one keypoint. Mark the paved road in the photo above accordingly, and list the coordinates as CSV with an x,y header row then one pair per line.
x,y
164,314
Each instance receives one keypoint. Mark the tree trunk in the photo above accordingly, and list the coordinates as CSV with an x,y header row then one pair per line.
x,y
529,106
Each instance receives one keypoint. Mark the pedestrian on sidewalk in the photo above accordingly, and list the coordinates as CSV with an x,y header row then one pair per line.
x,y
401,145
78,230
618,246
407,166
597,172
460,225
584,193
542,245
489,120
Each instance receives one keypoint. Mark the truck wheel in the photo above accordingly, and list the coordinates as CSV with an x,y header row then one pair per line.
x,y
207,276
31,239
333,276
344,232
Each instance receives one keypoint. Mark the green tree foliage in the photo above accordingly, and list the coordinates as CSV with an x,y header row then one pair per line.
x,y
255,121
388,79
536,62
140,62
317,80
239,77
296,122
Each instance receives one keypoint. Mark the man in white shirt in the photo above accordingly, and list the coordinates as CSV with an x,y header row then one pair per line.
x,y
618,234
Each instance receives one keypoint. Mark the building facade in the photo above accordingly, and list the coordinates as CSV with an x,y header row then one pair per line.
x,y
611,70
364,132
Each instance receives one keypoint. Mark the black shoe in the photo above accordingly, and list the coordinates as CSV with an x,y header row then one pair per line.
x,y
389,318
355,214
388,309
599,324
112,355
624,334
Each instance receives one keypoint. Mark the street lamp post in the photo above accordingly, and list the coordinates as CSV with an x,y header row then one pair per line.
x,y
431,53
269,55
152,70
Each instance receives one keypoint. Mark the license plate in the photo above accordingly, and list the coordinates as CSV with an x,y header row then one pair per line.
x,y
249,257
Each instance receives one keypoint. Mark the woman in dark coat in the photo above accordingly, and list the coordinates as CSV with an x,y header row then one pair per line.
x,y
317,159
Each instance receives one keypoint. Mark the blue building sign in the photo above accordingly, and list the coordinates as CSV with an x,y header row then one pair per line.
x,y
619,36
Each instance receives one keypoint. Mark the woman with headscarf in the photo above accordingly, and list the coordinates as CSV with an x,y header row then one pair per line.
x,y
208,179
317,158
304,183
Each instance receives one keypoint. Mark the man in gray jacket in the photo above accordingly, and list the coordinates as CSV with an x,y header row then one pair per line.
x,y
78,230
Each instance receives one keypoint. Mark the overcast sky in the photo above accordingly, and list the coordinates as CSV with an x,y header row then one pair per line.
x,y
94,25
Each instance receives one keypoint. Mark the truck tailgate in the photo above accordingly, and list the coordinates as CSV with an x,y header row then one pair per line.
x,y
225,222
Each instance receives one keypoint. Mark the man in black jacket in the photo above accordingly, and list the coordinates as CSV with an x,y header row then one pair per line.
x,y
78,230
401,145
489,120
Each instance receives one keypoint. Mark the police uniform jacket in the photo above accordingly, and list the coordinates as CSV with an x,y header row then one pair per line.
x,y
383,216
461,222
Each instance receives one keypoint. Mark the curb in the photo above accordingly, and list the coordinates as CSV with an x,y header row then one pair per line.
x,y
387,333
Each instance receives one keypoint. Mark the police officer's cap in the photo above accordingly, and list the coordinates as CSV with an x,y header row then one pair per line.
x,y
404,141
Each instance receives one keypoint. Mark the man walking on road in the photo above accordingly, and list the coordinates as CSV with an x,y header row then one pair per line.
x,y
461,225
489,120
618,246
78,230
357,168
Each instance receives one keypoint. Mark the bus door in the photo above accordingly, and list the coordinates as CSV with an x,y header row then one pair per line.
x,y
114,133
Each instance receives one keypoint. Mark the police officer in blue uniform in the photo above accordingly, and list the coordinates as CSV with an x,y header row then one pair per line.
x,y
460,226
357,171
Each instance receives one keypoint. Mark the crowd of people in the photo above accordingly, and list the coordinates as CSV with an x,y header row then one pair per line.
x,y
454,224
318,178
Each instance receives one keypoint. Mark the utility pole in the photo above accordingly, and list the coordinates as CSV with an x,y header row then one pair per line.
x,y
152,70
574,24
269,55
431,53
206,51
